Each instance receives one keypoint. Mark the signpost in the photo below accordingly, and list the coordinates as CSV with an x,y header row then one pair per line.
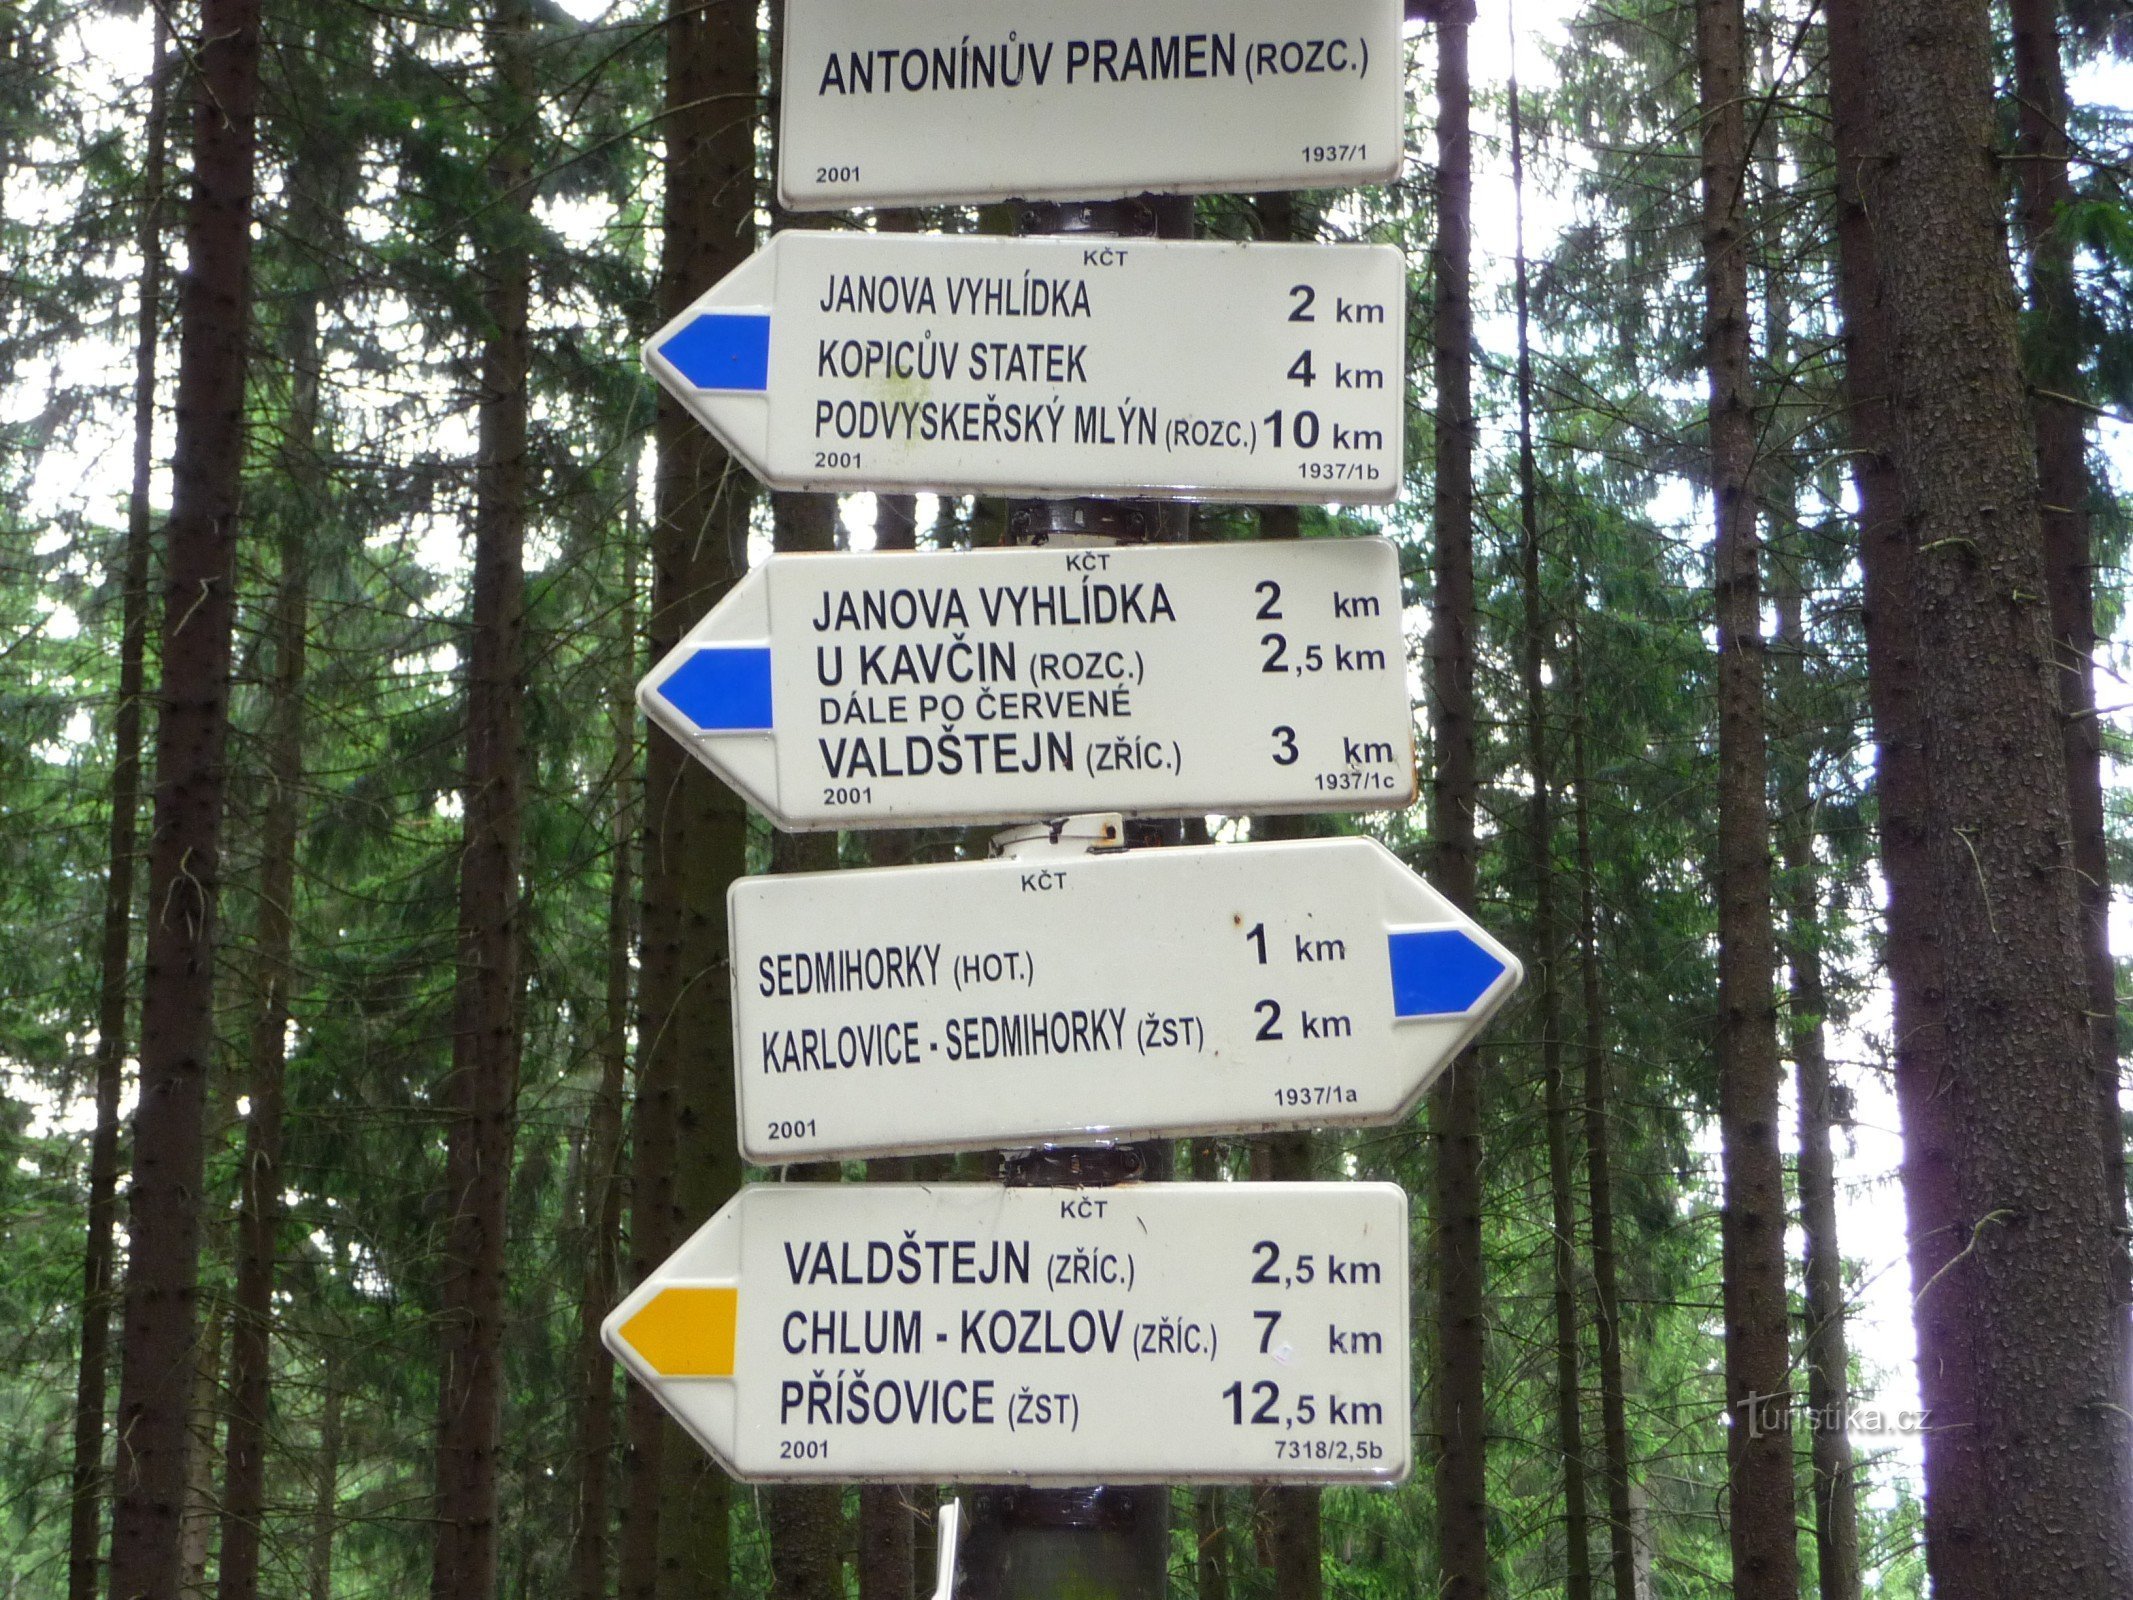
x,y
891,690
896,103
1147,994
1148,1333
1022,1335
840,361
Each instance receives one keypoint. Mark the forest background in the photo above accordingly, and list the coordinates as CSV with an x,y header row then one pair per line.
x,y
374,323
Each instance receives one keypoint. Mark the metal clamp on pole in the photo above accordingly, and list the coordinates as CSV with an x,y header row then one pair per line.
x,y
947,1536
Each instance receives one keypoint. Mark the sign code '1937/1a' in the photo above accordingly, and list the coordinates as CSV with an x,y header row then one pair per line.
x,y
971,1332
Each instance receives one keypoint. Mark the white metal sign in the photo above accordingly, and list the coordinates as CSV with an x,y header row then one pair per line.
x,y
1142,1334
844,691
837,361
906,102
1237,988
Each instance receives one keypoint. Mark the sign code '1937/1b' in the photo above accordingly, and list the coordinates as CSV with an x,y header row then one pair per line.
x,y
889,690
1142,1334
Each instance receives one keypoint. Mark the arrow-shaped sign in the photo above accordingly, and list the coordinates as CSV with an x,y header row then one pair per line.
x,y
889,690
1142,1334
972,364
915,102
1233,988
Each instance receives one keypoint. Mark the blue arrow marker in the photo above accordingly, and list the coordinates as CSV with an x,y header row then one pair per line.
x,y
723,350
722,688
1439,972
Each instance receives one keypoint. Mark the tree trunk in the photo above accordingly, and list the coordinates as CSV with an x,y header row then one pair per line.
x,y
2045,189
1458,1399
896,522
677,1543
2032,1274
1286,1518
114,965
805,1531
651,1190
184,862
259,1208
805,1521
804,1525
482,1094
1210,1526
1599,1161
888,1545
1955,1466
602,1215
196,1540
1291,1538
1824,1353
302,491
1210,1546
1758,1364
890,1513
654,1109
1540,846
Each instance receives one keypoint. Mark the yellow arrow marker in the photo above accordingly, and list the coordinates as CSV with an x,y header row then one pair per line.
x,y
686,1333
